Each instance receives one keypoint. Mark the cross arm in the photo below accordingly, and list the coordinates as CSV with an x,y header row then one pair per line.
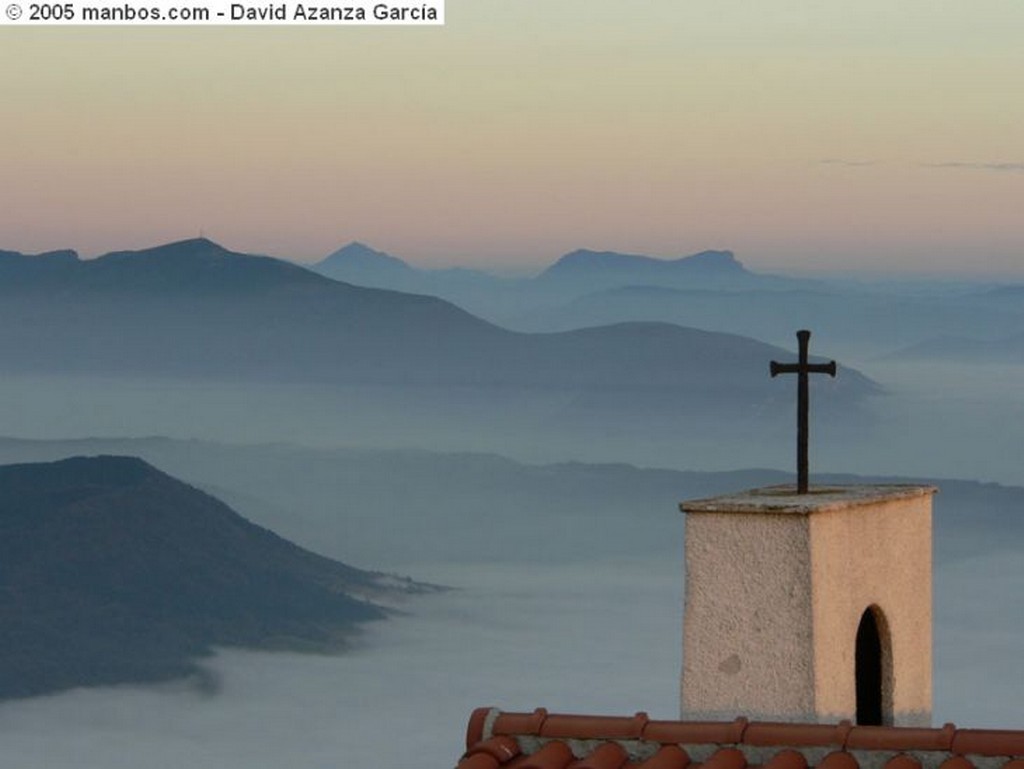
x,y
777,368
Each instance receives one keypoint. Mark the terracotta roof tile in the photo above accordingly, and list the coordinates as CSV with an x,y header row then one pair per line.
x,y
554,755
696,732
787,759
475,730
589,727
726,758
988,742
539,740
889,738
610,755
839,760
957,762
502,749
479,761
802,735
667,757
902,761
520,723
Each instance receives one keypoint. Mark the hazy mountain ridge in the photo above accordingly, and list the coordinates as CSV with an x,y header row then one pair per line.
x,y
188,265
113,571
510,300
613,266
851,319
404,505
362,265
359,256
194,309
59,255
715,291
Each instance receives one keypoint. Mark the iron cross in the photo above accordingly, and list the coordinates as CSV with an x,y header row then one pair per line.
x,y
802,369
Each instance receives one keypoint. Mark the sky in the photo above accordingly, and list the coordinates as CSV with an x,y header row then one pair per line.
x,y
801,134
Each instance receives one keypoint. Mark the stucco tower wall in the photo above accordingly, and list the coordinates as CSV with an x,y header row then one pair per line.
x,y
747,631
875,556
776,586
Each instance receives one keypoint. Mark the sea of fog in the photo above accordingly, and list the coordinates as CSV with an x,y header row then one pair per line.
x,y
933,420
573,637
577,635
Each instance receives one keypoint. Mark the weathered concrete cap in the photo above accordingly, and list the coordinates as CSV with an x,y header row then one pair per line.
x,y
783,500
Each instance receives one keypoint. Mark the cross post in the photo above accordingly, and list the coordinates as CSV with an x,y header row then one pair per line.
x,y
803,401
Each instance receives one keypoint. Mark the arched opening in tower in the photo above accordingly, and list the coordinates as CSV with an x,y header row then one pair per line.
x,y
868,668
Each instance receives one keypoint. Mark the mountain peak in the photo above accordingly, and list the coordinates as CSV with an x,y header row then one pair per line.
x,y
123,573
725,261
193,264
190,247
61,256
359,256
586,262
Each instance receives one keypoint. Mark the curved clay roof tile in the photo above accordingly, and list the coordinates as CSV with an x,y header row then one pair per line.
x,y
479,761
554,755
902,761
989,742
669,757
475,730
786,759
795,735
726,758
839,760
956,762
594,727
696,732
610,755
500,748
520,723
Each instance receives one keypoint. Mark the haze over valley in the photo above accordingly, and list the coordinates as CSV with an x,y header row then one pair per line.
x,y
385,435
351,377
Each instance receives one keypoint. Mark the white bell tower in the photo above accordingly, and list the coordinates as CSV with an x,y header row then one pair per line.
x,y
810,607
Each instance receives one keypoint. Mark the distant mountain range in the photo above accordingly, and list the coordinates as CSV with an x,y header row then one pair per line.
x,y
195,309
573,275
593,270
113,572
359,264
710,290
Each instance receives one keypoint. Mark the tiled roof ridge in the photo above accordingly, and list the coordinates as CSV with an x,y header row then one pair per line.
x,y
508,738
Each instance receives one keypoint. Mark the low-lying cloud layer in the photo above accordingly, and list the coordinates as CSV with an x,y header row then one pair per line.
x,y
599,638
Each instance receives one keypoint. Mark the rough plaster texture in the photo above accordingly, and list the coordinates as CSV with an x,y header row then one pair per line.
x,y
776,584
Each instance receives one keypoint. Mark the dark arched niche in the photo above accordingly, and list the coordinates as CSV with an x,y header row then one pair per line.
x,y
873,670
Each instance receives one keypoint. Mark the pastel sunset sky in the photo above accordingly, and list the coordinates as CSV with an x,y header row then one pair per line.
x,y
802,134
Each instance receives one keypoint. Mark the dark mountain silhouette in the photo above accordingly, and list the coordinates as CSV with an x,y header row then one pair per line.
x,y
517,300
357,257
643,269
12,257
112,571
194,309
197,265
584,271
19,270
361,265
